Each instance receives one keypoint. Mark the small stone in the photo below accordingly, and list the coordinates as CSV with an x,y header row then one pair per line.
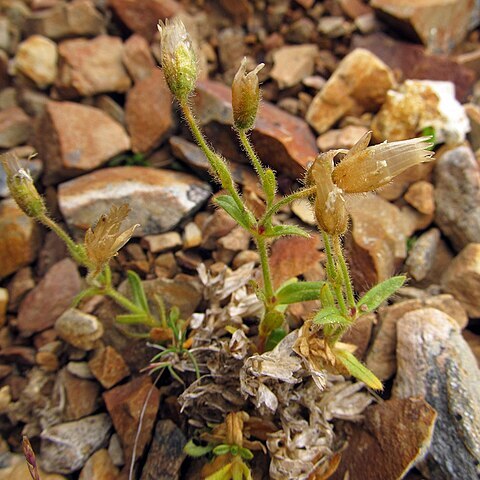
x,y
115,451
192,236
108,105
48,361
89,67
231,50
162,242
79,329
457,196
21,283
15,127
166,265
473,114
435,363
420,195
138,58
17,469
367,23
36,58
345,137
245,257
66,447
360,334
148,112
291,64
359,84
52,296
5,399
315,81
124,404
159,199
462,278
473,341
3,306
108,367
99,467
301,31
18,354
71,139
238,239
334,27
80,370
355,8
303,210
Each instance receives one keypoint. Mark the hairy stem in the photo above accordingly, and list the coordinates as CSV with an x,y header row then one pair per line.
x,y
267,277
337,245
257,165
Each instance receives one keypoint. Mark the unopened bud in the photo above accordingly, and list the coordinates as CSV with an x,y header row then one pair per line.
x,y
21,186
245,96
178,58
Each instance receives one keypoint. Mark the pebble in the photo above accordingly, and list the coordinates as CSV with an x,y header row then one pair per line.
x,y
79,329
473,113
115,451
3,306
302,208
137,58
334,27
80,370
14,467
238,239
421,196
345,137
192,236
245,257
99,467
15,127
48,361
162,242
108,367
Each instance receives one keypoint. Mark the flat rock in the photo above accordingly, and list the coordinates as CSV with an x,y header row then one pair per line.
x,y
19,238
90,67
462,278
99,467
137,57
281,139
108,367
436,363
66,447
50,298
71,139
20,284
16,127
79,329
420,195
163,242
394,435
148,112
358,85
457,196
159,199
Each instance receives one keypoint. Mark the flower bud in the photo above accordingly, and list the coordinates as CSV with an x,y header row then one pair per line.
x,y
178,58
21,186
245,96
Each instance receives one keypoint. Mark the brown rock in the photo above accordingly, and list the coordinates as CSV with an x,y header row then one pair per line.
x,y
74,139
282,140
21,283
79,329
99,467
125,404
3,306
148,112
17,469
395,434
355,8
473,113
420,195
345,137
142,17
19,238
108,367
18,354
473,341
359,84
359,334
192,235
48,361
138,58
162,242
89,67
50,298
238,239
15,127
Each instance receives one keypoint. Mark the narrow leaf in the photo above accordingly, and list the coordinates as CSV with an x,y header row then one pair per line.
x,y
274,338
358,370
330,316
194,450
221,449
228,204
132,318
138,293
299,292
326,296
270,185
379,293
284,230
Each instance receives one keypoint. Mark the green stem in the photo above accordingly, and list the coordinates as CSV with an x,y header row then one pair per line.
x,y
337,245
267,277
122,301
330,261
257,165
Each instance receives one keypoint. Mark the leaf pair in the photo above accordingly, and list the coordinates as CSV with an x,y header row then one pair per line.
x,y
141,314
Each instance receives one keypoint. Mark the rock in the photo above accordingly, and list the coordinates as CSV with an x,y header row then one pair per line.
x,y
473,113
14,467
124,404
381,358
21,283
360,334
281,139
335,27
80,370
48,361
301,31
231,50
18,354
78,18
192,235
457,196
111,108
99,467
291,64
473,341
159,199
137,58
345,137
79,329
19,238
50,298
15,127
108,367
418,104
166,454
435,362
163,242
420,195
36,58
359,84
395,435
238,239
3,306
302,208
354,8
89,67
440,25
115,451
148,112
71,139
53,250
66,447
462,279
245,257
142,17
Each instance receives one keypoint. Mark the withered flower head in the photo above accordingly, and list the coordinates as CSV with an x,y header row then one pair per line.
x,y
178,58
245,96
21,186
365,168
104,241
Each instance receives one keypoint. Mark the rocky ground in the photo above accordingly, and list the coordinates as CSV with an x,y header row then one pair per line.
x,y
80,85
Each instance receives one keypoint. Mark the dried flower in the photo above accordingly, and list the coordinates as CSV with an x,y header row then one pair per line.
x,y
365,168
21,186
178,58
30,458
245,96
104,241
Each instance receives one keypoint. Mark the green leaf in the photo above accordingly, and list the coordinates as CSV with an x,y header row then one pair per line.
x,y
330,316
221,449
298,292
326,296
194,450
430,132
245,453
228,204
270,184
358,370
222,474
284,230
132,318
379,293
138,293
275,337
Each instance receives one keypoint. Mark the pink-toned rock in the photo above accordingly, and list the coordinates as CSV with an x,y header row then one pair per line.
x,y
137,57
142,17
99,467
74,139
50,298
148,112
355,8
345,137
420,195
108,367
15,127
19,238
89,67
282,140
